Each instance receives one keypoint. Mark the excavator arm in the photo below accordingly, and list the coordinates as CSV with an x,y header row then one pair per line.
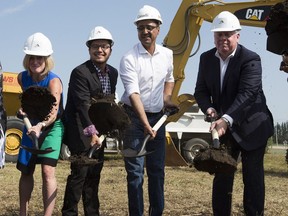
x,y
185,28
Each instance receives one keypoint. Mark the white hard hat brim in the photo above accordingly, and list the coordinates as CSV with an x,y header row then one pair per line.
x,y
224,30
37,53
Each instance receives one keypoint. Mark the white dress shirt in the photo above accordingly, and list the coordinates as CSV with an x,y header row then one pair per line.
x,y
223,68
145,74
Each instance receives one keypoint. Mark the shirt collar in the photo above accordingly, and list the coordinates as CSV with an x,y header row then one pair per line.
x,y
142,50
106,70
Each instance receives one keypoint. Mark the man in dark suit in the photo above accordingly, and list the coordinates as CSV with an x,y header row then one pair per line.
x,y
229,87
94,78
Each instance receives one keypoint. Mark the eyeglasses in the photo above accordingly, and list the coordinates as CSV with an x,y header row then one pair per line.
x,y
102,46
148,27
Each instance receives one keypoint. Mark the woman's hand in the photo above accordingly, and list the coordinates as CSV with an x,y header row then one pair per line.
x,y
36,128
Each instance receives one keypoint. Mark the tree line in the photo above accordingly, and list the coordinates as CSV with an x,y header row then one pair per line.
x,y
281,133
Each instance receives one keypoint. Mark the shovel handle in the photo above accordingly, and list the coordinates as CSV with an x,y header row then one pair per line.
x,y
160,122
215,137
34,139
27,122
32,133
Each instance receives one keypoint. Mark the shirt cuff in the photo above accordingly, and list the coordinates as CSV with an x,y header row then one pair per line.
x,y
228,118
90,130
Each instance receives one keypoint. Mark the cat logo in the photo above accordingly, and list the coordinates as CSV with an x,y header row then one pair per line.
x,y
254,14
258,14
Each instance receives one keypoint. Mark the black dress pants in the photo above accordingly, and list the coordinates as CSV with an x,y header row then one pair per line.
x,y
83,181
254,186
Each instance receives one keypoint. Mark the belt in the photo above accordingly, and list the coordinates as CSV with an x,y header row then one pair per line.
x,y
148,114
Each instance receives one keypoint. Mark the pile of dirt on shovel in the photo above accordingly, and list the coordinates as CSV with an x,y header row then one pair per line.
x,y
37,102
214,160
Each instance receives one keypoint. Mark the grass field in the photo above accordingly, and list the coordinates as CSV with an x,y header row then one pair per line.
x,y
187,191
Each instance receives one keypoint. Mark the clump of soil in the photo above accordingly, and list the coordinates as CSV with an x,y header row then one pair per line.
x,y
37,102
214,160
108,116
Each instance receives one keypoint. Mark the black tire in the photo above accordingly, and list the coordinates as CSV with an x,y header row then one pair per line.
x,y
192,147
65,153
13,139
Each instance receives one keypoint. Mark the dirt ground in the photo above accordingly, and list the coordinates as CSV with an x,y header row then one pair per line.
x,y
187,191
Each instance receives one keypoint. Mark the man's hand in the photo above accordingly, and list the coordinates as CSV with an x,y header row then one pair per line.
x,y
95,140
211,115
220,125
149,130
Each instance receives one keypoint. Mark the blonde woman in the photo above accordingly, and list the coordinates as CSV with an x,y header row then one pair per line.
x,y
38,64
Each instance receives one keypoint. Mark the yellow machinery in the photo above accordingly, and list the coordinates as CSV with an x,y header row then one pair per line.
x,y
181,38
11,92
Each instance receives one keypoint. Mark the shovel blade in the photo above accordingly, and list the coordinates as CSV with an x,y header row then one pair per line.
x,y
37,151
133,153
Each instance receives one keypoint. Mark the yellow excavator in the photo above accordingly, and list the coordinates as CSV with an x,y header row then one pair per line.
x,y
181,38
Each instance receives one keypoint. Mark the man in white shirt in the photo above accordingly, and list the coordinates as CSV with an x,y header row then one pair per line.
x,y
147,75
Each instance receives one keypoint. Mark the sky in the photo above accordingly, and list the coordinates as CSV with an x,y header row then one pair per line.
x,y
67,23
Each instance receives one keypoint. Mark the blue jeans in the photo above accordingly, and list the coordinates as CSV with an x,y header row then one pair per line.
x,y
155,164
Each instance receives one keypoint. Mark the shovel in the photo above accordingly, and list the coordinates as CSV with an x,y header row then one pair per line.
x,y
86,160
129,152
215,159
34,138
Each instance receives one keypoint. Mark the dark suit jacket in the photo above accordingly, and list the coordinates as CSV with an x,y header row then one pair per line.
x,y
84,84
242,96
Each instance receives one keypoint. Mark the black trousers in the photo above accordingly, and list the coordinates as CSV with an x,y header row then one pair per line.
x,y
253,179
83,181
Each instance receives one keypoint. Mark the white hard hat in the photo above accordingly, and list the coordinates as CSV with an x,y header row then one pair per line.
x,y
99,33
38,44
148,13
225,21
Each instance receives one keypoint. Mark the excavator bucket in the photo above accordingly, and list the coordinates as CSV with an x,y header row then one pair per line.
x,y
173,157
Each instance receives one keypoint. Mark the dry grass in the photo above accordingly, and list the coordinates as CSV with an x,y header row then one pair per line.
x,y
187,191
